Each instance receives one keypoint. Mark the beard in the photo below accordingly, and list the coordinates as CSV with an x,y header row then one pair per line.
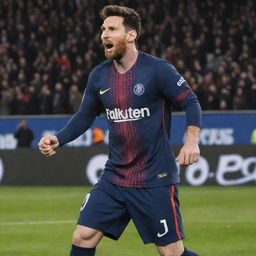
x,y
119,51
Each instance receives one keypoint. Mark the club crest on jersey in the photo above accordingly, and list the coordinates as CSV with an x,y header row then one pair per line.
x,y
138,89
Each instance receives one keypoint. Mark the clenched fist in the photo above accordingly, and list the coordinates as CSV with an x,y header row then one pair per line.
x,y
48,144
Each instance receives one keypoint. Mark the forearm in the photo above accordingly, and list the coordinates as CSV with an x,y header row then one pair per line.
x,y
74,128
81,121
192,135
193,112
190,151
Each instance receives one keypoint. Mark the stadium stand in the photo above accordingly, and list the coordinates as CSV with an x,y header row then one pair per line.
x,y
47,49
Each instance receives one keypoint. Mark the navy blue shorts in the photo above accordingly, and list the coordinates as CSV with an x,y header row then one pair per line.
x,y
154,211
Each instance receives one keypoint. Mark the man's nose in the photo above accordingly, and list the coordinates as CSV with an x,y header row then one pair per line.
x,y
104,34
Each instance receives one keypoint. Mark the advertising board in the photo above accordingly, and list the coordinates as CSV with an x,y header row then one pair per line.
x,y
218,165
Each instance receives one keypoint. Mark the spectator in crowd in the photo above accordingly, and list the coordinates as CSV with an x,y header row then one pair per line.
x,y
239,101
75,98
45,100
24,135
253,96
212,98
225,99
59,99
32,101
6,97
54,42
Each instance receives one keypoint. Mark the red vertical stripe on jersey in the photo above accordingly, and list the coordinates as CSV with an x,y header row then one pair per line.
x,y
127,144
118,125
114,94
133,132
175,213
142,157
132,129
130,124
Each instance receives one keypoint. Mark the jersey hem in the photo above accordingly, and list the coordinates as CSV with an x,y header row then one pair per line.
x,y
147,185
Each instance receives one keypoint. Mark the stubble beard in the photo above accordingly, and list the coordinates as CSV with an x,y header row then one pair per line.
x,y
118,52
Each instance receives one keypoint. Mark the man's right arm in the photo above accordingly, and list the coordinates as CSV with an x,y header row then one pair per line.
x,y
81,121
78,124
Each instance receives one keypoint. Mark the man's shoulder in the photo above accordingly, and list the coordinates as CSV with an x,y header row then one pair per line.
x,y
103,66
99,71
153,59
157,65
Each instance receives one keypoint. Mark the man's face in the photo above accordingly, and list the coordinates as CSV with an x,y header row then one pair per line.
x,y
114,37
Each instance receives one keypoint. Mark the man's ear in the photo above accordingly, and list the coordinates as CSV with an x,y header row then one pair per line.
x,y
131,36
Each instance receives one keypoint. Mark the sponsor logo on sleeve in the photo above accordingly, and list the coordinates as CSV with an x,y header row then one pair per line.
x,y
181,81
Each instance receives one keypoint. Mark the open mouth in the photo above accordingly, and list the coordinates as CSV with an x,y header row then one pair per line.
x,y
108,46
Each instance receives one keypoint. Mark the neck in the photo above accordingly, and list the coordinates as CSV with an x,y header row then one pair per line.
x,y
127,61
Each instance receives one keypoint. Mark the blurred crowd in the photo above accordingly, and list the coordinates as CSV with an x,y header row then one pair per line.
x,y
48,48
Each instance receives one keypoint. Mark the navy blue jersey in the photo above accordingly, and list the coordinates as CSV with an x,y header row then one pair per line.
x,y
138,109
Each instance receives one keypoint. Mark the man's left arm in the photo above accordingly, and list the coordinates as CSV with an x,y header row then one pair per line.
x,y
176,89
190,152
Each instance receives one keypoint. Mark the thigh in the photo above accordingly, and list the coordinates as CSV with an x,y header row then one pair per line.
x,y
156,214
103,209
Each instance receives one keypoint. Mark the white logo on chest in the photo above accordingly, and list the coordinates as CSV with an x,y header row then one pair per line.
x,y
125,115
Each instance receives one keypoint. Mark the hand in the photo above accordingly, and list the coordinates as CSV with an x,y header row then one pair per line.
x,y
189,154
47,145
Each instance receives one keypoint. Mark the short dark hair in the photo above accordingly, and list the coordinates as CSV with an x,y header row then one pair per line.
x,y
132,19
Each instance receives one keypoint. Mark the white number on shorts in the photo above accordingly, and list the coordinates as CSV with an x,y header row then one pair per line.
x,y
165,228
85,201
